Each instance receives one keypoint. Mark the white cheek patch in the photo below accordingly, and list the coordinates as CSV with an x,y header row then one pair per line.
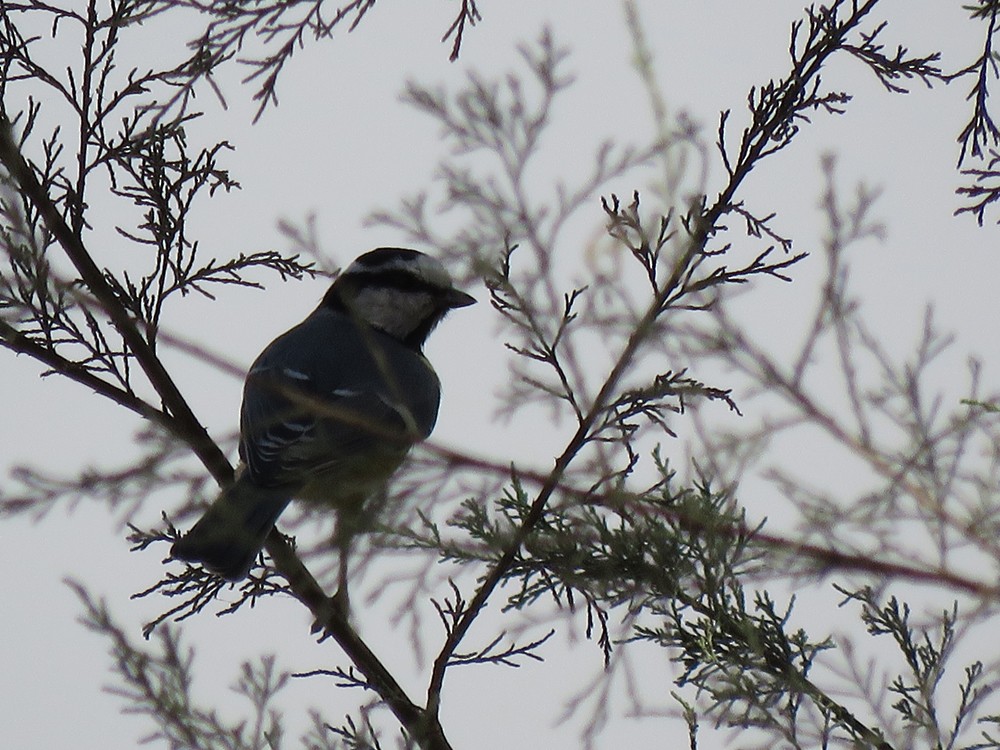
x,y
396,312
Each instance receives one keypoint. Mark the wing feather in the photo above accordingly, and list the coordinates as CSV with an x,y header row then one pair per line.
x,y
318,399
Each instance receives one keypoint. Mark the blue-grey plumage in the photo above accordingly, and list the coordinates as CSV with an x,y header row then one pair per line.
x,y
331,407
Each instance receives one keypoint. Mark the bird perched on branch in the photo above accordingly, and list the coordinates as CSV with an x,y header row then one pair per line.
x,y
331,407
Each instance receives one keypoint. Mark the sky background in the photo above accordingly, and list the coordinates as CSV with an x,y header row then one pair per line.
x,y
341,145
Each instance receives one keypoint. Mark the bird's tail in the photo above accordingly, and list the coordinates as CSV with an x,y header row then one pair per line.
x,y
231,533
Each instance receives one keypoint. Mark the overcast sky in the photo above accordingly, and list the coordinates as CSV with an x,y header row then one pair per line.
x,y
341,145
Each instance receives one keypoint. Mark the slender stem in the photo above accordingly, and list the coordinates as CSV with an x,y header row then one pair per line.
x,y
423,727
11,338
186,423
755,145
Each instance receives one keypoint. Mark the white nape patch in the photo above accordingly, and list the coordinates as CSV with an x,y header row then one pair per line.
x,y
294,374
431,270
423,267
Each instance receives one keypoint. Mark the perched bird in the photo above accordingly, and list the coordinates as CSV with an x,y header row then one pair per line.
x,y
331,407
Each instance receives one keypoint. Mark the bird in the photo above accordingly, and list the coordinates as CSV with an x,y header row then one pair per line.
x,y
331,408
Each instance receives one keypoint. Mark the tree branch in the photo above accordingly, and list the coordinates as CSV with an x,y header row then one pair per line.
x,y
178,416
774,111
185,423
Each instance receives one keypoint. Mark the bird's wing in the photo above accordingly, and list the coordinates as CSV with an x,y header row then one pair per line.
x,y
321,394
293,427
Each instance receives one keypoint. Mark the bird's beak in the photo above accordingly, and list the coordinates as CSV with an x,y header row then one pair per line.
x,y
456,298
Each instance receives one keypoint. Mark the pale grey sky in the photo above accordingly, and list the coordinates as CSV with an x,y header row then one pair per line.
x,y
339,146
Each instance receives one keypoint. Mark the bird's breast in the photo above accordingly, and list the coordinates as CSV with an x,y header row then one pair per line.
x,y
347,482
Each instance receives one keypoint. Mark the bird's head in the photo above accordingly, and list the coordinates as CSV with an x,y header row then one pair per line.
x,y
402,292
